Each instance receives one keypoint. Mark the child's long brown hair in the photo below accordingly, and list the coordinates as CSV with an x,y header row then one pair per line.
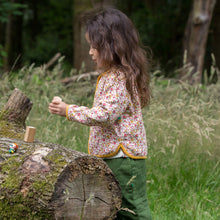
x,y
113,34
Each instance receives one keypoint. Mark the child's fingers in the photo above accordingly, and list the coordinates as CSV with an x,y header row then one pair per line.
x,y
55,101
53,108
53,105
57,107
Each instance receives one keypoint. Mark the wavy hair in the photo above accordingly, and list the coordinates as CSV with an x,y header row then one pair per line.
x,y
116,39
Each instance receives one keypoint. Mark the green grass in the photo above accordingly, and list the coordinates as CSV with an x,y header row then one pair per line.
x,y
183,132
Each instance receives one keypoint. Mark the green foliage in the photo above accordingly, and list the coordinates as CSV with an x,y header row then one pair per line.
x,y
182,125
48,28
161,26
2,55
7,7
183,129
51,31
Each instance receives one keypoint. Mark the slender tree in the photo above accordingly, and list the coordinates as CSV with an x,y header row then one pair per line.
x,y
216,33
81,47
80,53
196,33
12,20
8,40
17,44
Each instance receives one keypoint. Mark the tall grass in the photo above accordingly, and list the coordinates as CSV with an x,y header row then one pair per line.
x,y
183,129
183,132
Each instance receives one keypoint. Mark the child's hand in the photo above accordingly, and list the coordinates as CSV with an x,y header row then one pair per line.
x,y
57,106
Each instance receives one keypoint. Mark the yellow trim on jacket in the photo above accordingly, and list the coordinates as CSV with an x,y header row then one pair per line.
x,y
120,146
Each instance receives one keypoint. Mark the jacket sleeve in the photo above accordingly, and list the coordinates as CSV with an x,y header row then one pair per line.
x,y
108,108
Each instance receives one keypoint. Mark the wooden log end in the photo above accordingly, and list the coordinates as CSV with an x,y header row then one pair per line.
x,y
53,182
86,189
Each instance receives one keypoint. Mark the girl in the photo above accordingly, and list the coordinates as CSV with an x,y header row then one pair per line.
x,y
117,132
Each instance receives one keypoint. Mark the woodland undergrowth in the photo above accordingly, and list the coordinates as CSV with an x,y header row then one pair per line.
x,y
183,132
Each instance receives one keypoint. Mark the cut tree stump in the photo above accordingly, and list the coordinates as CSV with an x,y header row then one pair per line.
x,y
48,181
18,107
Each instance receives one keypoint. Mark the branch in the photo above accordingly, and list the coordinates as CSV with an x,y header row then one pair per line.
x,y
81,77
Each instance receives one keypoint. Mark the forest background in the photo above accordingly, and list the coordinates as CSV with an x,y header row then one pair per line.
x,y
34,31
183,119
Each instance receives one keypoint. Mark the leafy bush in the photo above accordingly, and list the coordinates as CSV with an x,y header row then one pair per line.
x,y
7,7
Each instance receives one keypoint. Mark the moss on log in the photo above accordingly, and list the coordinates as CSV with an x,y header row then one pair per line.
x,y
10,129
48,181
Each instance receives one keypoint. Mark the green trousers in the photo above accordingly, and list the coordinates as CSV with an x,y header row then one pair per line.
x,y
131,175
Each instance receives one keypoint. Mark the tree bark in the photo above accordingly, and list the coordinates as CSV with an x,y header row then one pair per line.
x,y
8,41
81,47
13,40
48,181
216,34
196,34
18,107
2,30
15,61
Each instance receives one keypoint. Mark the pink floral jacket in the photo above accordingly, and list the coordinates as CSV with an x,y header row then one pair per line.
x,y
116,122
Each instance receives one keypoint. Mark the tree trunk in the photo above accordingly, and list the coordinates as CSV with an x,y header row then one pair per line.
x,y
48,181
81,47
34,23
13,40
18,107
216,34
2,30
196,34
17,38
8,41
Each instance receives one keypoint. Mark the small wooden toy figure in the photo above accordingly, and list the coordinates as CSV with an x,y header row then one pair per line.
x,y
13,147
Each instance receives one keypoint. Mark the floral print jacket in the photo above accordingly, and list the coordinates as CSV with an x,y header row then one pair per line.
x,y
116,121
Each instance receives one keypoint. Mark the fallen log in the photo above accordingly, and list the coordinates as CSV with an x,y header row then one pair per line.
x,y
81,77
48,181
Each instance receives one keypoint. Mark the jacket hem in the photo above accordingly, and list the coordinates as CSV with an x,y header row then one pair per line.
x,y
114,153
